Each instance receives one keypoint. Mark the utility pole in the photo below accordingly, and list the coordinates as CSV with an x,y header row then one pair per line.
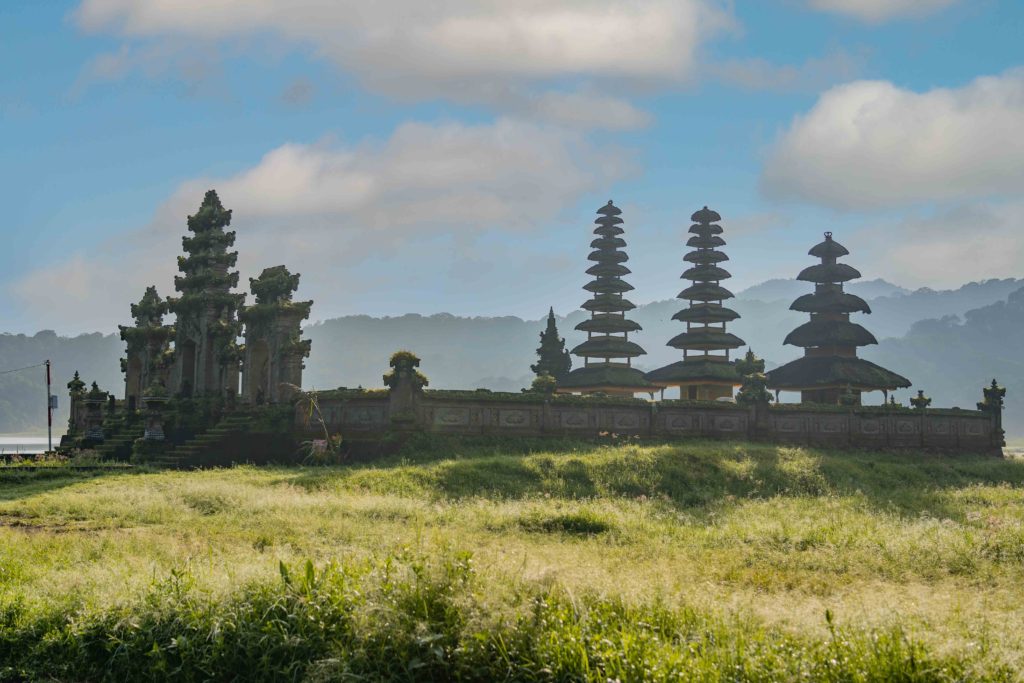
x,y
49,410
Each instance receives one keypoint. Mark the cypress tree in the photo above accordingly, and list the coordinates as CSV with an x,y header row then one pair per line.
x,y
553,359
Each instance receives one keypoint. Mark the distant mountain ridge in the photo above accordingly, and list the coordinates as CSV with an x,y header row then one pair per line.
x,y
781,288
916,330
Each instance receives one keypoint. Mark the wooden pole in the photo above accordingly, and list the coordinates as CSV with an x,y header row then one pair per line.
x,y
49,410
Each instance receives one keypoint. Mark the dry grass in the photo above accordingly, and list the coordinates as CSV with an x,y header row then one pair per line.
x,y
934,546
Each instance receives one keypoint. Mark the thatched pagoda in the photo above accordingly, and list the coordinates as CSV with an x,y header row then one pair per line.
x,y
830,369
705,372
607,354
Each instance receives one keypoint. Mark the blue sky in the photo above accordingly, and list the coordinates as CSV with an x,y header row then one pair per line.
x,y
450,158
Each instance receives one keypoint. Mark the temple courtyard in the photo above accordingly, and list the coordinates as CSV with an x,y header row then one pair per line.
x,y
523,560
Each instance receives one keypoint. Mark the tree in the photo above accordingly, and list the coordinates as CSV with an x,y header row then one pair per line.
x,y
554,360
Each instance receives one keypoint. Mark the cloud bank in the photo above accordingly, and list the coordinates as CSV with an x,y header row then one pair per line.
x,y
871,144
875,11
535,57
356,220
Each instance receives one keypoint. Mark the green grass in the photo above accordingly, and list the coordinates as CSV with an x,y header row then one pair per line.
x,y
504,561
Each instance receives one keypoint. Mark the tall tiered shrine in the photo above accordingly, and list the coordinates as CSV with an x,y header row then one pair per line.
x,y
206,331
607,354
830,367
705,373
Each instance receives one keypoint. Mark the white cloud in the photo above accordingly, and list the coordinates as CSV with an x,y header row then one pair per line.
x,y
875,11
871,144
813,75
483,52
358,221
945,249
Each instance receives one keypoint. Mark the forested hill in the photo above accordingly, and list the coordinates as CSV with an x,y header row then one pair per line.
x,y
947,342
23,394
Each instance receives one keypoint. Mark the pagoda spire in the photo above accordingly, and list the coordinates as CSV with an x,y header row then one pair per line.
x,y
705,372
553,359
607,353
830,341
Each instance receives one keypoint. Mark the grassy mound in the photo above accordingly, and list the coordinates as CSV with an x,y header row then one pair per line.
x,y
496,561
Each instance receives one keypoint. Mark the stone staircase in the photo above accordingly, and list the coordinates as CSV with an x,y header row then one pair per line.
x,y
120,434
198,450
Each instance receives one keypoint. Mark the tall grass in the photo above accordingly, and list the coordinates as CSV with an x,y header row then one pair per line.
x,y
462,560
412,618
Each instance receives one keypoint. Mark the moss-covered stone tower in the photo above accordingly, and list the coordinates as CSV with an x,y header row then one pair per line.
x,y
830,367
607,354
149,356
206,355
274,349
705,373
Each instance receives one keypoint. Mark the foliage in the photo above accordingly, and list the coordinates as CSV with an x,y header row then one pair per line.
x,y
325,451
920,402
754,389
404,363
553,359
698,561
544,384
994,395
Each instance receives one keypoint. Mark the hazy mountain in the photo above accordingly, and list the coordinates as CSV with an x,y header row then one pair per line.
x,y
771,290
947,342
23,394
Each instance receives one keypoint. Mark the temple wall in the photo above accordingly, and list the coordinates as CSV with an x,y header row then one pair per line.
x,y
369,415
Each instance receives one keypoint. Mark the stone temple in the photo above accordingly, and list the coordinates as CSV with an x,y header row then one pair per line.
x,y
206,359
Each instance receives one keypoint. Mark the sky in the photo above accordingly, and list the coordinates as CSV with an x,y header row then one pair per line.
x,y
410,156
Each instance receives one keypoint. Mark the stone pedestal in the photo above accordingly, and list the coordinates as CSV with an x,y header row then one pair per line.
x,y
154,407
94,419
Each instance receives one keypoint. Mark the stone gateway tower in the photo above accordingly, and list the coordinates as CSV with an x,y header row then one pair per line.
x,y
274,351
206,354
149,355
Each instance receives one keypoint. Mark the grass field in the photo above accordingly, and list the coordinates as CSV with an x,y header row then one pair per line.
x,y
714,561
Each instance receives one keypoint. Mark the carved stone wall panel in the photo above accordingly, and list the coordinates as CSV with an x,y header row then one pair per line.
x,y
906,426
728,423
872,426
574,419
831,425
364,416
789,424
514,418
452,417
626,421
686,422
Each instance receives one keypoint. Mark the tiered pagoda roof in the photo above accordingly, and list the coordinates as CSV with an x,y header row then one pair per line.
x,y
607,353
829,339
706,316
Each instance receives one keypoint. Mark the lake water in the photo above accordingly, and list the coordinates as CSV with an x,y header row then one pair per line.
x,y
25,444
